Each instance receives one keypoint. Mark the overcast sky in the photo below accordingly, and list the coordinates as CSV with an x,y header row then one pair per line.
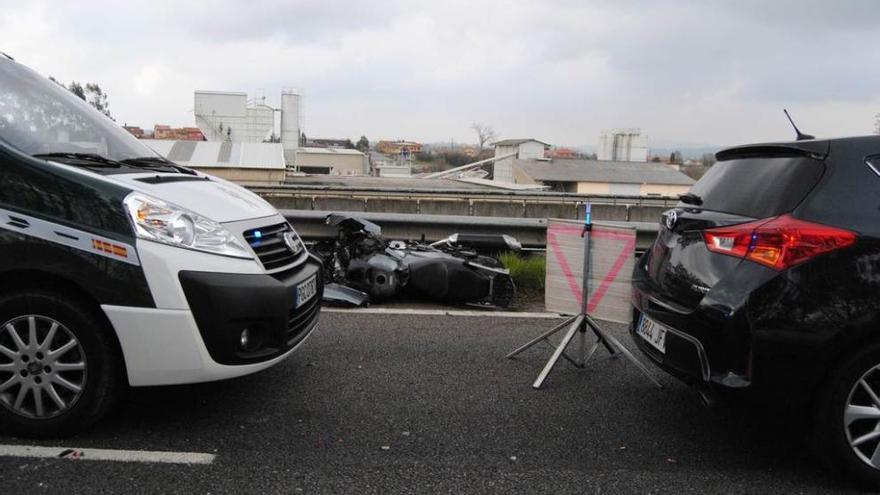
x,y
701,72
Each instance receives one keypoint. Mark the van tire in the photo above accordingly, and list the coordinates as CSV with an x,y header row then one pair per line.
x,y
101,381
831,443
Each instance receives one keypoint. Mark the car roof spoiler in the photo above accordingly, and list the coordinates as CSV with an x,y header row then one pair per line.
x,y
817,149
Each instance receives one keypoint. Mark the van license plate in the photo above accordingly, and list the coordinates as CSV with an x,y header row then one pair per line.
x,y
306,290
652,332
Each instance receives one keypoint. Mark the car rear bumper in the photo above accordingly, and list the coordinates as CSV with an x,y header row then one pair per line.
x,y
699,348
683,357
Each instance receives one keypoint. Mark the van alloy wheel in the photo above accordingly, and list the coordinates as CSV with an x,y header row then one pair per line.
x,y
42,367
861,417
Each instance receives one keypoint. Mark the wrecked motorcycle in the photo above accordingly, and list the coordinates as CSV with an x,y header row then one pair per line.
x,y
359,265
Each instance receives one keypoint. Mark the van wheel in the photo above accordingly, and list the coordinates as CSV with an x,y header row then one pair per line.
x,y
59,370
848,417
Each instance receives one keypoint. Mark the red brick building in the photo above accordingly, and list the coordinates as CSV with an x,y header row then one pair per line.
x,y
135,131
178,133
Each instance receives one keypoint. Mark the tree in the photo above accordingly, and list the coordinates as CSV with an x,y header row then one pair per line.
x,y
98,99
91,93
485,134
708,159
363,144
77,89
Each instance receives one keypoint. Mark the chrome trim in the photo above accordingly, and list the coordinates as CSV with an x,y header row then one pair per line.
x,y
668,306
872,167
239,227
299,261
503,271
701,352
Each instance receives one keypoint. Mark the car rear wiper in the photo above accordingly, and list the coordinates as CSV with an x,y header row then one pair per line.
x,y
154,162
691,199
94,158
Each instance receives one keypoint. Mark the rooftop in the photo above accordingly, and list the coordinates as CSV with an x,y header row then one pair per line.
x,y
365,182
514,142
220,154
603,171
328,151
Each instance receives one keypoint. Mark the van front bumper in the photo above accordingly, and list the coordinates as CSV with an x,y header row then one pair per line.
x,y
225,305
203,343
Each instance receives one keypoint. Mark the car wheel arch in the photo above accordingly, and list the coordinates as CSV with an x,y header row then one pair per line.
x,y
18,280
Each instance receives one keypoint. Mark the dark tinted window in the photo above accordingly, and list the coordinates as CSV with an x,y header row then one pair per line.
x,y
758,187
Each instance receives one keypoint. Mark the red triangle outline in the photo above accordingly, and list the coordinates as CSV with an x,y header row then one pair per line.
x,y
573,283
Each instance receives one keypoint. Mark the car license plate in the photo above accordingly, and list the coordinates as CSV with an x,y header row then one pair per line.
x,y
306,290
652,332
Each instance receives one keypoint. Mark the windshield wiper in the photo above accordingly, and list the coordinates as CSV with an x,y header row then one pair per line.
x,y
92,158
154,162
691,199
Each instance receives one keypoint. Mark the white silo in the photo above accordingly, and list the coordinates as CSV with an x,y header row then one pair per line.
x,y
289,125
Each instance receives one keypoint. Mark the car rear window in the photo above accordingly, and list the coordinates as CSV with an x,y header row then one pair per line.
x,y
758,187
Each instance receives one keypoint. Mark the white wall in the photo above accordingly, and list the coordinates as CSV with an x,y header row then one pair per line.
x,y
624,145
290,125
503,169
227,116
531,150
625,189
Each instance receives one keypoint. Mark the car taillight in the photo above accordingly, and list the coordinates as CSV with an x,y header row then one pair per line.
x,y
779,242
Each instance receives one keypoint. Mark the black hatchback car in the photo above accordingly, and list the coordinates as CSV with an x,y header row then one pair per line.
x,y
766,278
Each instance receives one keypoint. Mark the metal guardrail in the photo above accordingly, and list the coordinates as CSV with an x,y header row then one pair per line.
x,y
428,192
531,232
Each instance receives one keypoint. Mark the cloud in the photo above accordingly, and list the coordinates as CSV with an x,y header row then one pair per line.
x,y
560,70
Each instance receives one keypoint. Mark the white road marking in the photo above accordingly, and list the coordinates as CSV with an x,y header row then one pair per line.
x,y
88,454
441,312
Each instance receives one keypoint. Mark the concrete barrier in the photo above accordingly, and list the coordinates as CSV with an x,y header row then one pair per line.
x,y
509,207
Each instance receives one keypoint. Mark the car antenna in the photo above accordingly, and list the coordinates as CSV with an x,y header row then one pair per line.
x,y
800,135
7,56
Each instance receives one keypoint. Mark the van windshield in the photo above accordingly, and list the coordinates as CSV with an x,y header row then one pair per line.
x,y
39,116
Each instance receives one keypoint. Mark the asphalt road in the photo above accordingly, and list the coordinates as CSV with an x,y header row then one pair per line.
x,y
414,404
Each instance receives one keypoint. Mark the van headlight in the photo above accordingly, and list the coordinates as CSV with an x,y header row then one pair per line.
x,y
167,223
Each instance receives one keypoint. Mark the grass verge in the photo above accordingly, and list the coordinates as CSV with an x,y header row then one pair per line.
x,y
528,272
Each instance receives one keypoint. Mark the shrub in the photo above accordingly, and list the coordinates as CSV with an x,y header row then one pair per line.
x,y
528,271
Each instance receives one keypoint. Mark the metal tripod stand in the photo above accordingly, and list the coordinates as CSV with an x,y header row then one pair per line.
x,y
579,325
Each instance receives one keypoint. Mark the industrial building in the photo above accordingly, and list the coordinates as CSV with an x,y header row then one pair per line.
x,y
331,161
386,166
623,145
603,177
509,150
238,162
229,116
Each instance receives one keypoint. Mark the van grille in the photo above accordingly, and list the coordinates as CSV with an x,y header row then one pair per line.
x,y
269,246
299,320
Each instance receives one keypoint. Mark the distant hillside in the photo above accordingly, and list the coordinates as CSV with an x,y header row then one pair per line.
x,y
688,151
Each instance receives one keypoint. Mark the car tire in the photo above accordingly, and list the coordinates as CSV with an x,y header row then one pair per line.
x,y
61,371
833,433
